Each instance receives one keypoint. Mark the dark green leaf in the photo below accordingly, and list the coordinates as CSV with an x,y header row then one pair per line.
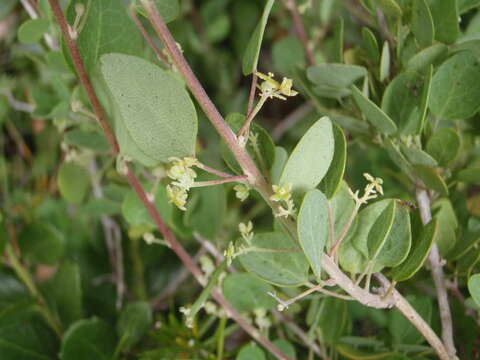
x,y
32,30
92,140
67,291
134,322
370,44
338,41
422,23
250,352
445,19
380,230
135,213
470,175
431,178
444,145
41,243
402,331
253,292
73,182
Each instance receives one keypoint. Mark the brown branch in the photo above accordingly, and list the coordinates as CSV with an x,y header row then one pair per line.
x,y
438,276
300,30
251,97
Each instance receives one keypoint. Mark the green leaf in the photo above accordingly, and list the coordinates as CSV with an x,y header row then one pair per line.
x,y
474,287
285,347
333,311
280,268
333,178
444,145
338,41
250,59
287,54
92,140
88,339
73,182
402,102
105,28
465,5
334,80
253,291
315,147
312,228
366,225
470,175
417,157
422,23
456,88
380,230
264,158
41,243
385,62
426,57
168,9
32,30
402,331
67,291
161,120
445,19
281,157
250,352
134,322
398,242
135,213
341,207
431,178
373,113
420,249
370,44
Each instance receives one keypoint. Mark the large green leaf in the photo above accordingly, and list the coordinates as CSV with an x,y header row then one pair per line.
x,y
380,230
105,28
427,56
422,23
311,158
373,113
420,249
88,339
134,322
158,113
41,243
67,291
253,290
456,88
313,228
250,59
445,19
333,178
73,182
280,268
474,287
444,145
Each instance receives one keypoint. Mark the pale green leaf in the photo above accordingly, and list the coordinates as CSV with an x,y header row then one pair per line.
x,y
417,157
158,113
385,62
281,157
334,80
474,287
251,352
313,228
73,182
311,158
427,56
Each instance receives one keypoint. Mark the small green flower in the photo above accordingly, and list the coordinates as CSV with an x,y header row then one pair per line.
x,y
246,230
177,196
241,191
281,193
271,88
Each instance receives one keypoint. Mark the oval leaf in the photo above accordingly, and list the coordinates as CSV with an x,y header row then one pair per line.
x,y
159,115
313,228
311,158
134,322
444,145
73,182
474,287
254,292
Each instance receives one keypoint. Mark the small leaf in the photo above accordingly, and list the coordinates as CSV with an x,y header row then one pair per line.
x,y
380,230
417,157
287,54
385,62
134,322
135,213
334,80
279,268
422,23
313,228
470,175
426,57
445,18
398,242
41,243
250,352
420,249
73,182
456,87
92,140
254,292
161,120
32,30
431,178
474,287
444,145
465,5
250,59
373,113
67,291
370,44
88,339
285,347
333,178
311,158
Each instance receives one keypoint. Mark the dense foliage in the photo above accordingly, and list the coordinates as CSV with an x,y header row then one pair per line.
x,y
330,211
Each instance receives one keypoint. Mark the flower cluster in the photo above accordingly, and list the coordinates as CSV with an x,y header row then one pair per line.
x,y
246,230
241,191
371,191
183,176
271,88
283,194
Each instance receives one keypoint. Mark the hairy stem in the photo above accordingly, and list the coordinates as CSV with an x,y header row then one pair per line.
x,y
438,276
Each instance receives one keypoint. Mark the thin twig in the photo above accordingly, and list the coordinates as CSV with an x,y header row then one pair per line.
x,y
412,315
213,171
423,200
240,178
146,36
300,30
251,97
